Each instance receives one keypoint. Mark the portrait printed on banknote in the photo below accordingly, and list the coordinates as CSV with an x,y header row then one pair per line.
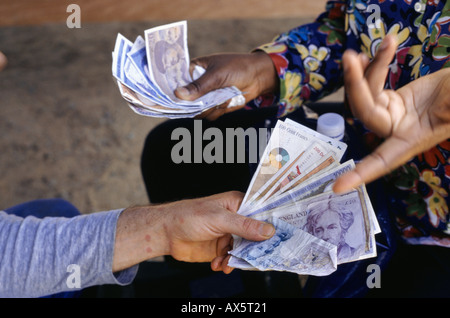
x,y
168,55
338,221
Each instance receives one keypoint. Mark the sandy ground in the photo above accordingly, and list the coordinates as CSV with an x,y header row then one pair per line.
x,y
65,130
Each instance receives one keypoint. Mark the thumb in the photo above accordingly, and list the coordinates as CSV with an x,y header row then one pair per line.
x,y
389,155
250,229
203,84
190,92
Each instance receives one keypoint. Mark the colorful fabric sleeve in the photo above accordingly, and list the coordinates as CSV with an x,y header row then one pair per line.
x,y
308,59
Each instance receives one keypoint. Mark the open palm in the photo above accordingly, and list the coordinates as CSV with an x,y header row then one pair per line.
x,y
412,119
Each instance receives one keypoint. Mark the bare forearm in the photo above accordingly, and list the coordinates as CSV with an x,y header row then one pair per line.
x,y
196,230
139,236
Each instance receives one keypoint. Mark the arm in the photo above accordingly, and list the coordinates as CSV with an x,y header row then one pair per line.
x,y
412,119
197,230
308,59
35,253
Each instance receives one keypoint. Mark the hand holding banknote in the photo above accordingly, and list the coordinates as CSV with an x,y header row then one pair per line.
x,y
252,73
149,70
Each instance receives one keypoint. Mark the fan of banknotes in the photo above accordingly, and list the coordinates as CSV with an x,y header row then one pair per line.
x,y
316,229
149,70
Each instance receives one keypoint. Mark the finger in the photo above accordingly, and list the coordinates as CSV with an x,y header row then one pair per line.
x,y
216,112
224,244
364,60
230,222
376,72
221,110
231,200
220,263
356,87
206,83
213,113
387,157
234,108
216,263
360,96
248,228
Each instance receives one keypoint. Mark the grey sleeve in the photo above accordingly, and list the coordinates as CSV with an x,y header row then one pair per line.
x,y
39,257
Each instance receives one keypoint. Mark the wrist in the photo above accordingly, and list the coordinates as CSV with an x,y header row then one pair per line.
x,y
140,235
266,74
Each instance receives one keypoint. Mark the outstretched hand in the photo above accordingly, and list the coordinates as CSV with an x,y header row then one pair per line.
x,y
412,119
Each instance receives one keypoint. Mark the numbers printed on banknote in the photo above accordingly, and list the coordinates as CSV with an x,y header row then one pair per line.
x,y
149,69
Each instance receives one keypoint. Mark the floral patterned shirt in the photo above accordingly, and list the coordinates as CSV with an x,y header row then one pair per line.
x,y
308,62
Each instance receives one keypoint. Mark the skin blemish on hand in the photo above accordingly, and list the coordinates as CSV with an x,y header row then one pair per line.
x,y
147,239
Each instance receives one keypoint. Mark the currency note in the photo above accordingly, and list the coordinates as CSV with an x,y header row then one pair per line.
x,y
287,145
336,222
295,193
154,66
314,186
290,249
337,144
168,57
340,219
137,70
314,161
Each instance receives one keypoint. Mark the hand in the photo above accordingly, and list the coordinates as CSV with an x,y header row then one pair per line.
x,y
412,119
197,230
252,73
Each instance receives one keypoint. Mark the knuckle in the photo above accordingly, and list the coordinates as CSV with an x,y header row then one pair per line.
x,y
249,225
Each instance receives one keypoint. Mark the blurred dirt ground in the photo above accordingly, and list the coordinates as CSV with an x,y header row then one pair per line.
x,y
65,130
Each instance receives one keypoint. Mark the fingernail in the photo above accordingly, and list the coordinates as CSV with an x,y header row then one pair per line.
x,y
266,230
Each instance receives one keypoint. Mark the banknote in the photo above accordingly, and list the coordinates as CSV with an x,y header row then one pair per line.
x,y
326,222
288,148
149,70
297,196
289,249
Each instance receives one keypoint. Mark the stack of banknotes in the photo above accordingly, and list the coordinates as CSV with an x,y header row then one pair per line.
x,y
316,229
149,70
